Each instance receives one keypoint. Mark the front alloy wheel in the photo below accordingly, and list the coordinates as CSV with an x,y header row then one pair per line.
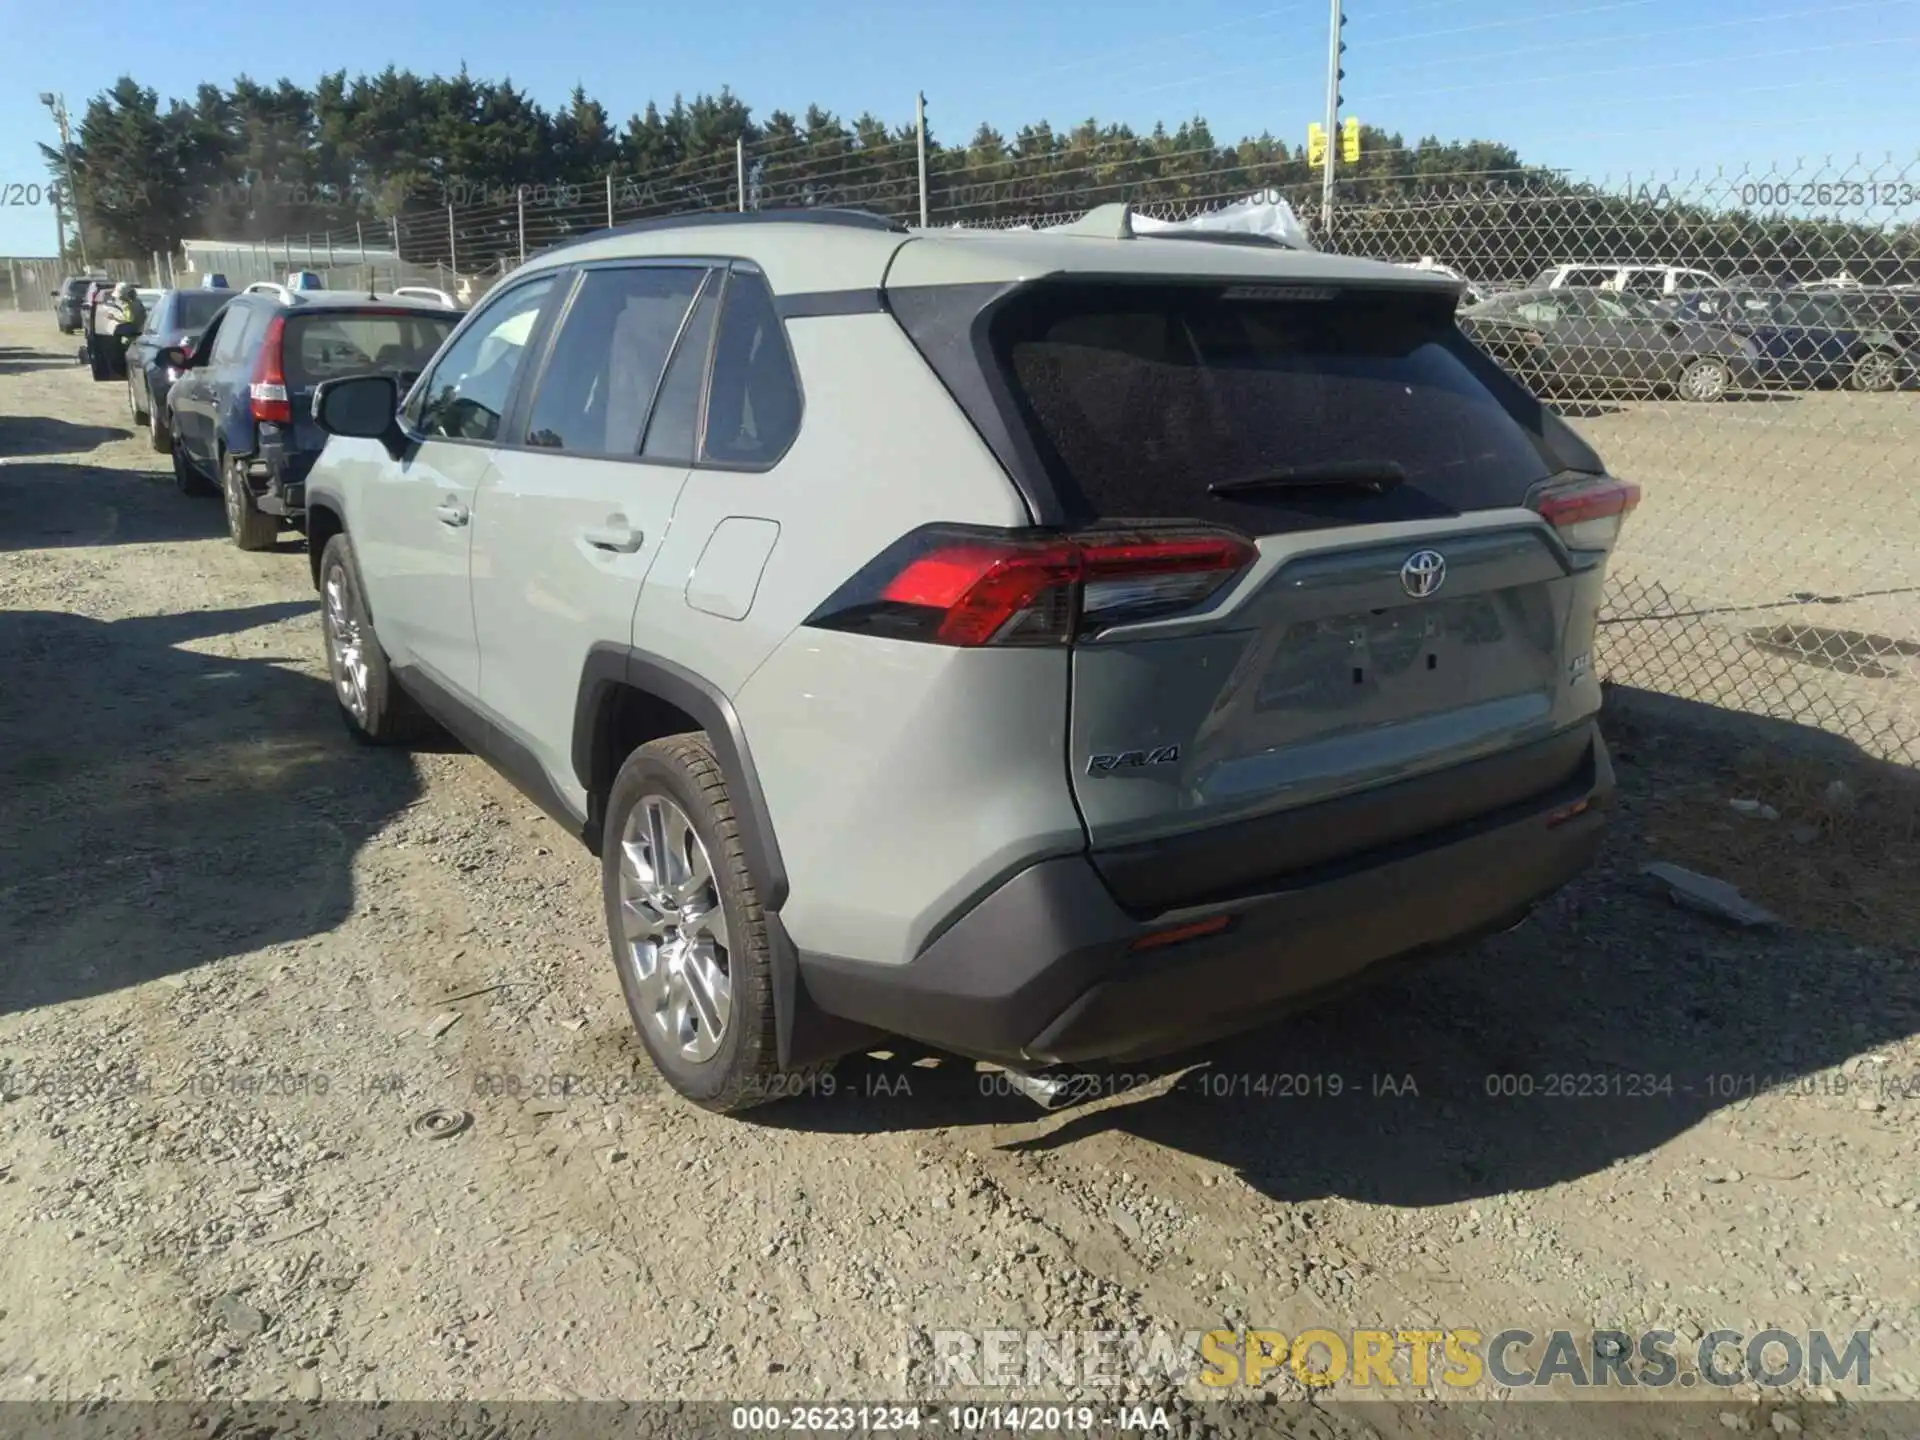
x,y
346,643
1876,370
674,931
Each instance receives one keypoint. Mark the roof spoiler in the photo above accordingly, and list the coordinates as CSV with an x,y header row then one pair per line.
x,y
1114,221
427,292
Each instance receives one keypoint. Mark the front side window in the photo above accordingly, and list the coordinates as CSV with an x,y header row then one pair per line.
x,y
753,403
607,360
465,398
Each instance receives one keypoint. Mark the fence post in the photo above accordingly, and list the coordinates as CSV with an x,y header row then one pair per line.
x,y
1334,47
453,242
609,199
396,245
329,249
740,169
13,281
360,242
520,211
920,143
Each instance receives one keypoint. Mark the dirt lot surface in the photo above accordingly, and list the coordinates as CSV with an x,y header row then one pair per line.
x,y
241,957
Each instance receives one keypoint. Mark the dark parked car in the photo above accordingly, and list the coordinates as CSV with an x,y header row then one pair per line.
x,y
240,412
69,302
1814,339
174,323
1598,341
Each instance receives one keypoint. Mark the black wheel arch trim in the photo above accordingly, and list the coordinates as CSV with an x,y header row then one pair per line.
x,y
610,667
805,1033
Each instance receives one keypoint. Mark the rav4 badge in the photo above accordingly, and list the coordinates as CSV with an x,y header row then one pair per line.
x,y
1132,760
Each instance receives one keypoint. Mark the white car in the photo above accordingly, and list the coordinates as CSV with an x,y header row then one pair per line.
x,y
1635,279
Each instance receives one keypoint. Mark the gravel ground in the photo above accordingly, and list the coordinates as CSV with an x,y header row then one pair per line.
x,y
240,958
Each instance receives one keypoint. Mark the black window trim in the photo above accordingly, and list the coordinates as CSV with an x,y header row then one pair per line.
x,y
560,280
711,273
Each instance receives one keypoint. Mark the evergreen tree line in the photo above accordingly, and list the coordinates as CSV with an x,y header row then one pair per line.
x,y
390,153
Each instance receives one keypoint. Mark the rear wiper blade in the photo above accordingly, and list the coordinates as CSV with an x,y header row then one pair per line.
x,y
1376,477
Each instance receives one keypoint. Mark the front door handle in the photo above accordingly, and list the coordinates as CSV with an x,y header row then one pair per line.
x,y
451,512
616,535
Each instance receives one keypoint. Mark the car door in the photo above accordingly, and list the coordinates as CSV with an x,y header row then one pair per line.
x,y
195,394
412,526
572,515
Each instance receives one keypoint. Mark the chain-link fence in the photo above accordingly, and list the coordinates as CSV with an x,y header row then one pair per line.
x,y
1746,345
31,285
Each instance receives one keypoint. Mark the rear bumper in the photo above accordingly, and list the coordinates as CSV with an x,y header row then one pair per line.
x,y
280,479
1045,968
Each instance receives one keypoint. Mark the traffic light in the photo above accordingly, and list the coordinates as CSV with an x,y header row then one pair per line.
x,y
1316,145
1350,141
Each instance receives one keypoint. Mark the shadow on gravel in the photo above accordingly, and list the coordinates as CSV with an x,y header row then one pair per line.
x,y
1608,1024
57,504
27,360
162,808
38,435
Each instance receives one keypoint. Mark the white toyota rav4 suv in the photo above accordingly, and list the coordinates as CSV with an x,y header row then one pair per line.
x,y
1056,647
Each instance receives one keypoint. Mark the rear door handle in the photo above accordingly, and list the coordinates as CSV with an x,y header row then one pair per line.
x,y
451,512
616,535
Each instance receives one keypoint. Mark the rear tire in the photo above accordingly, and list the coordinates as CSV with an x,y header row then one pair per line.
x,y
133,407
375,709
1705,381
1876,372
249,527
688,933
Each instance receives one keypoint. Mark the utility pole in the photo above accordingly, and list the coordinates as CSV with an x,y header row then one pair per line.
x,y
609,199
740,169
520,212
920,143
58,105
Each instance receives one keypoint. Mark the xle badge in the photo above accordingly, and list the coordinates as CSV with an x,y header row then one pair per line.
x,y
1132,760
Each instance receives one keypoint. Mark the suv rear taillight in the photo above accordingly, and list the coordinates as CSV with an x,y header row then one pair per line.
x,y
952,585
269,388
1588,510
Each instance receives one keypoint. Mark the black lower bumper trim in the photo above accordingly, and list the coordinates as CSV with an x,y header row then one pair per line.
x,y
1042,969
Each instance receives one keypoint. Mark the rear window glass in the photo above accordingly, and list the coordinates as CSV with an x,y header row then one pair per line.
x,y
192,309
1141,398
321,347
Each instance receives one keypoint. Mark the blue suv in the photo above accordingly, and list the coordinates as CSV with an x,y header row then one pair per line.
x,y
240,410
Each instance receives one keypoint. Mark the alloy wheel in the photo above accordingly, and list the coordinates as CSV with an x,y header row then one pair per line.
x,y
1876,371
1706,380
674,941
346,643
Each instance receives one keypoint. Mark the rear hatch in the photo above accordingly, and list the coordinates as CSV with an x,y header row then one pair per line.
x,y
1377,605
334,341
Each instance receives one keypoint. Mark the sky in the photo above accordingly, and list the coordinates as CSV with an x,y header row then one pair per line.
x,y
1653,90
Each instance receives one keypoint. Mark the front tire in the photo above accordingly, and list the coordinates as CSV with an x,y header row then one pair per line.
x,y
247,525
133,407
688,933
372,704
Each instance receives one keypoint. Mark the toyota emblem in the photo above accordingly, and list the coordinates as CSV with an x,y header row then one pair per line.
x,y
1424,572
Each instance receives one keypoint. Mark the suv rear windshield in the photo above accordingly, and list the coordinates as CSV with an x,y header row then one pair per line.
x,y
1140,398
192,309
348,342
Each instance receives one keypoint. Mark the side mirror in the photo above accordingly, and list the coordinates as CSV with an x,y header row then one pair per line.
x,y
361,407
1669,327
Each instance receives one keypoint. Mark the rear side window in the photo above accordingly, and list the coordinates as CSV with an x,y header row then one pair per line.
x,y
753,405
230,343
1141,399
608,358
675,424
329,344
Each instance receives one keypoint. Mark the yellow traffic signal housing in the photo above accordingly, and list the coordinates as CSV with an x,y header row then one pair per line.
x,y
1350,141
1316,145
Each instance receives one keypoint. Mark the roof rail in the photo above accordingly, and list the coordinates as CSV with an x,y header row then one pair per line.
x,y
426,292
796,215
269,287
